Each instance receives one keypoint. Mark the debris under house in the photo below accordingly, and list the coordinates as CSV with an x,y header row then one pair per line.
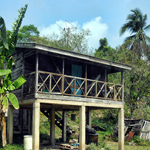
x,y
61,80
138,127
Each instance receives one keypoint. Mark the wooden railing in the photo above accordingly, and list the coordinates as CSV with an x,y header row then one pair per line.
x,y
54,83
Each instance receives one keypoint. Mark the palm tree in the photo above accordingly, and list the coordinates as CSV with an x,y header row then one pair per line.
x,y
136,24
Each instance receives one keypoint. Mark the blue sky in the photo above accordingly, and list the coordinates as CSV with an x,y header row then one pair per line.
x,y
104,18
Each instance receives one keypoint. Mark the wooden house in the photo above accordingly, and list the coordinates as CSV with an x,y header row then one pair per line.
x,y
63,80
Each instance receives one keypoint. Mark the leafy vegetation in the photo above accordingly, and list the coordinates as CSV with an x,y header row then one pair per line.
x,y
134,51
99,147
136,140
12,147
136,24
27,33
7,47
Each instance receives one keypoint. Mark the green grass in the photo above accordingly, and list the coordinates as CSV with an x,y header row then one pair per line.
x,y
114,146
12,147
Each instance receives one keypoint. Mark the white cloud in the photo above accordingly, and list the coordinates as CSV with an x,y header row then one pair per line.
x,y
97,29
55,28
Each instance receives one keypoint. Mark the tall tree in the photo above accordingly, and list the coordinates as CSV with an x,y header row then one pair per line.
x,y
72,41
136,24
105,51
27,32
7,46
137,80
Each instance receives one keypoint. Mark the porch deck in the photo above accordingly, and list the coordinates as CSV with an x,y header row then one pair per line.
x,y
59,84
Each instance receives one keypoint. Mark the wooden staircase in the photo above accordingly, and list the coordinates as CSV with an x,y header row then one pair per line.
x,y
58,120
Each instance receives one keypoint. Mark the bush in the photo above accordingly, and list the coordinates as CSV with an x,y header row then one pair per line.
x,y
12,147
138,141
101,145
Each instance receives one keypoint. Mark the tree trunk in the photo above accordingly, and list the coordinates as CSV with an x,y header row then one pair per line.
x,y
132,111
3,128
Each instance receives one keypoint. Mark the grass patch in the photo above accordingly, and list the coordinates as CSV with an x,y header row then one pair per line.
x,y
12,147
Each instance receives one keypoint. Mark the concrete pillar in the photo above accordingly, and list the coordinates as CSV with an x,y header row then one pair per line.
x,y
10,125
64,136
52,127
88,118
35,126
82,128
121,129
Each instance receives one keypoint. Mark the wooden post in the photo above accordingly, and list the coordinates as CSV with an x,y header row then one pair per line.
x,y
88,118
95,88
63,70
29,122
122,82
115,93
74,86
121,129
105,82
82,128
64,136
50,83
85,80
21,122
36,73
23,69
35,125
10,125
52,127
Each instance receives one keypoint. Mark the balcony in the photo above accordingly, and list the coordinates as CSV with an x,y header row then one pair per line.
x,y
65,85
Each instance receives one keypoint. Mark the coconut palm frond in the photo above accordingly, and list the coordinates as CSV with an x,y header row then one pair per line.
x,y
147,27
147,38
130,37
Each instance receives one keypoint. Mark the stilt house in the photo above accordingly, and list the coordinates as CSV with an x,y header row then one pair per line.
x,y
63,80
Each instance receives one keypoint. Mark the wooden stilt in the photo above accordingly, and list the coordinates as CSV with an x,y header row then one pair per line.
x,y
88,118
82,128
121,129
35,125
52,127
64,126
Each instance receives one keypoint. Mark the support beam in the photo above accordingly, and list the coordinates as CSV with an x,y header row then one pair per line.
x,y
106,80
64,136
52,127
36,72
10,125
85,79
35,125
122,82
82,128
29,122
121,129
63,72
88,118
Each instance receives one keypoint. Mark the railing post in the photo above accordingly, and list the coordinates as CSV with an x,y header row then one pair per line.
x,y
50,83
85,80
36,73
62,84
95,88
122,83
74,86
114,93
105,82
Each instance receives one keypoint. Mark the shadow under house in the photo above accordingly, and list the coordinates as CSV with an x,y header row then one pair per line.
x,y
63,80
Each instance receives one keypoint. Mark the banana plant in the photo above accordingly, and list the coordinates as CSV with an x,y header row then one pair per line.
x,y
7,47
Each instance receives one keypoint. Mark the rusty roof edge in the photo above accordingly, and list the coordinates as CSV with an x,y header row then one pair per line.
x,y
73,54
